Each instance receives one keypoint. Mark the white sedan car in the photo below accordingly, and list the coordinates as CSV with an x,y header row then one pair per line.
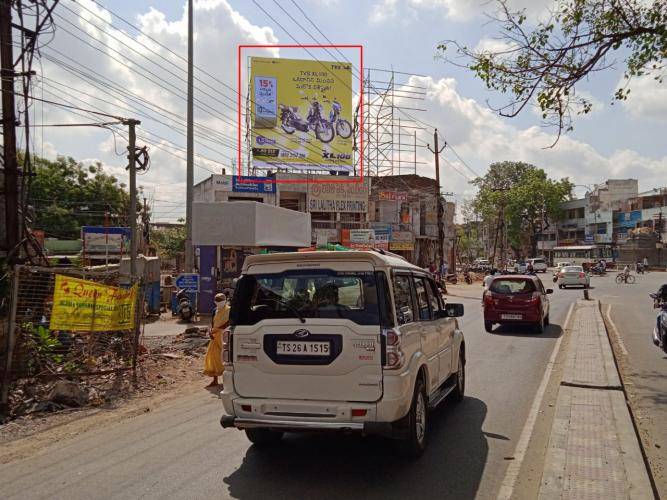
x,y
573,276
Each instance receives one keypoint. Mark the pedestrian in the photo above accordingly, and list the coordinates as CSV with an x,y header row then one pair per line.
x,y
645,263
213,366
432,268
444,269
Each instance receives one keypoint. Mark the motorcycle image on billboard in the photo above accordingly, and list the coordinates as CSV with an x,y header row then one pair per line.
x,y
301,113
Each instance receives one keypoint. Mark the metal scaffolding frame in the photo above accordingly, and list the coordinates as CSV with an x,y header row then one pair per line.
x,y
390,140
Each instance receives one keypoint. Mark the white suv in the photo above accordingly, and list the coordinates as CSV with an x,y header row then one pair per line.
x,y
350,341
539,265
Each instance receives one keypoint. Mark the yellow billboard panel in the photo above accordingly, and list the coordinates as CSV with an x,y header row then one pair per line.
x,y
301,113
86,306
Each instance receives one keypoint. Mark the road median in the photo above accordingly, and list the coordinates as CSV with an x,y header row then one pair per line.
x,y
593,449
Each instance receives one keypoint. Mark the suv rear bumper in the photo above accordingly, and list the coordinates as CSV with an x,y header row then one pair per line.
x,y
378,428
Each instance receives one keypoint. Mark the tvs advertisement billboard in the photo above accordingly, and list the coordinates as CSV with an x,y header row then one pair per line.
x,y
301,114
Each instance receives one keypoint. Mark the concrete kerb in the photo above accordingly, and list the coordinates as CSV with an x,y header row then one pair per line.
x,y
593,449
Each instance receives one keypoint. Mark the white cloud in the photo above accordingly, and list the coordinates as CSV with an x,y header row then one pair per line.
x,y
218,30
454,10
383,11
647,99
493,45
480,137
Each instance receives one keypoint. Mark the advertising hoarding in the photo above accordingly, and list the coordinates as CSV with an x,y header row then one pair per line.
x,y
301,113
98,239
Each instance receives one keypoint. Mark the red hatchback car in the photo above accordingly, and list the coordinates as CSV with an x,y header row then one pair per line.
x,y
516,299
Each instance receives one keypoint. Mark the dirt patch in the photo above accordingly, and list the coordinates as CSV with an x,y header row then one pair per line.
x,y
168,369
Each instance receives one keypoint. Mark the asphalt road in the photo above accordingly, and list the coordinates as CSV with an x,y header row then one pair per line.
x,y
644,367
180,451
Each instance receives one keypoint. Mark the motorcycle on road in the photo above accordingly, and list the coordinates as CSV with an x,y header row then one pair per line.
x,y
185,308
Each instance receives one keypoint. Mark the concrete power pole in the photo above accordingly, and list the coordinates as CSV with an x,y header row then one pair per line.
x,y
189,251
9,131
132,166
440,208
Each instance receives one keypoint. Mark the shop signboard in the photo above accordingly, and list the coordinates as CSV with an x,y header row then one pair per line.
x,y
402,236
338,197
358,238
301,114
248,184
326,235
392,196
401,245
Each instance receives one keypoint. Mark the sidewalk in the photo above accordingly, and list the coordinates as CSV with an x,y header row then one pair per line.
x,y
593,450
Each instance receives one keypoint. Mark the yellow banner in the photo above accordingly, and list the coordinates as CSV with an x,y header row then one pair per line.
x,y
301,113
86,306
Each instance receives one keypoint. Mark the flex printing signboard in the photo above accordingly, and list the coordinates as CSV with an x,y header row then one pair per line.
x,y
325,197
301,113
248,184
113,240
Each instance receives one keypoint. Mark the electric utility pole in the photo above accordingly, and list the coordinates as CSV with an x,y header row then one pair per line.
x,y
132,166
9,131
440,209
189,182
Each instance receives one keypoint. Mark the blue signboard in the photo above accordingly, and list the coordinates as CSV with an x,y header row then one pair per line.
x,y
188,281
629,220
248,184
589,238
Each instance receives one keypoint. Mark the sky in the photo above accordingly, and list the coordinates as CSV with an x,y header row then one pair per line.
x,y
96,60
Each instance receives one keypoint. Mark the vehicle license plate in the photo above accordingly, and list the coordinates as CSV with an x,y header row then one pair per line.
x,y
292,348
511,316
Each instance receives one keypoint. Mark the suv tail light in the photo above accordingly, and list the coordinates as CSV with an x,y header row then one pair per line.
x,y
227,346
393,355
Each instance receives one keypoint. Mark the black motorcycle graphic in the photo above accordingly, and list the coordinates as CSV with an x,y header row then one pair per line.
x,y
290,121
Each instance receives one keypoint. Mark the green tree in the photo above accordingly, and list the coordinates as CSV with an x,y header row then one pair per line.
x,y
66,195
169,241
542,64
524,196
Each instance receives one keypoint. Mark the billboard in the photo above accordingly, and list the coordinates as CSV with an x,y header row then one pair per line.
x,y
98,239
301,114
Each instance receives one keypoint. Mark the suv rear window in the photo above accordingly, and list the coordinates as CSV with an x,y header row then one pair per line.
x,y
309,293
510,286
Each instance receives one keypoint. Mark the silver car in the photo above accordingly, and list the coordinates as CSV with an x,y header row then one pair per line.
x,y
573,276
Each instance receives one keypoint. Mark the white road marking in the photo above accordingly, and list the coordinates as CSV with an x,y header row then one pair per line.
x,y
613,329
507,487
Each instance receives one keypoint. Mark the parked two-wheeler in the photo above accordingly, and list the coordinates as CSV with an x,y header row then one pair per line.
x,y
598,271
291,121
467,277
639,267
660,329
185,308
452,278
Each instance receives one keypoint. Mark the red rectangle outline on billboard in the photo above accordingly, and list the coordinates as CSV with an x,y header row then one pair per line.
x,y
360,180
